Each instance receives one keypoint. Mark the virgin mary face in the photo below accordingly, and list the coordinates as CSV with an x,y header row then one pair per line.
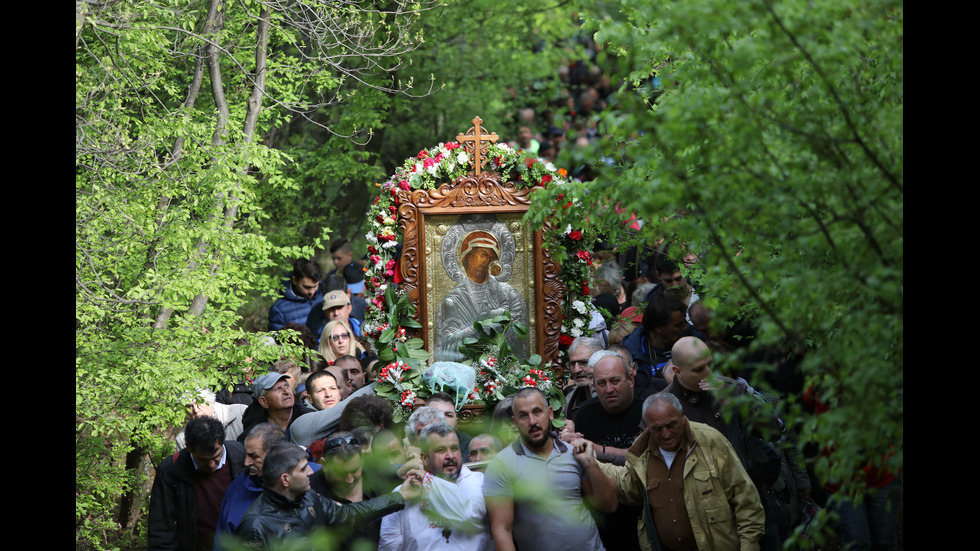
x,y
477,264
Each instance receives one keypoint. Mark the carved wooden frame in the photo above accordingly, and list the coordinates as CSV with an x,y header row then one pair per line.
x,y
470,194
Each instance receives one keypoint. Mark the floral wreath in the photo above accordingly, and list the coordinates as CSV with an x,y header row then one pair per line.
x,y
570,242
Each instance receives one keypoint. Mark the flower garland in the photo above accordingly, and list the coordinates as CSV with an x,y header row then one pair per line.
x,y
447,163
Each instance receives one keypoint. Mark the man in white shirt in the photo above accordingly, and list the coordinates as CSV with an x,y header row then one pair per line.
x,y
452,513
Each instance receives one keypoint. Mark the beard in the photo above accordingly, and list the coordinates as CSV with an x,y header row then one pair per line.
x,y
677,291
537,440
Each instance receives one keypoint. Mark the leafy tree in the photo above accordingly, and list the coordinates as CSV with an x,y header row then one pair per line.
x,y
486,58
173,99
768,136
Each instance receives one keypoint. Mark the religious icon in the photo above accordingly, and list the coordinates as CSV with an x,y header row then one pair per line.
x,y
478,253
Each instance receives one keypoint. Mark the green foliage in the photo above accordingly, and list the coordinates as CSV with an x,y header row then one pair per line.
x,y
768,137
174,196
500,372
392,343
483,57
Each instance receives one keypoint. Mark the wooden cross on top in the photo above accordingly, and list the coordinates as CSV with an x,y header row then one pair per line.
x,y
476,143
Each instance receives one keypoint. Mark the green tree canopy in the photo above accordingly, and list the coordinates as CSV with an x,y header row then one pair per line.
x,y
173,186
768,136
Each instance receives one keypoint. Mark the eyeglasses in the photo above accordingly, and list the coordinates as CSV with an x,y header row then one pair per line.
x,y
335,443
341,337
573,363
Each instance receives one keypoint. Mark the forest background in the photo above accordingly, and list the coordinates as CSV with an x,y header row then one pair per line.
x,y
218,140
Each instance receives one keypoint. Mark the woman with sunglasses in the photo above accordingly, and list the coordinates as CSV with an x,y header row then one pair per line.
x,y
339,340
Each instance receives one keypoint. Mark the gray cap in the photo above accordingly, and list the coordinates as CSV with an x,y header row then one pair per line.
x,y
266,382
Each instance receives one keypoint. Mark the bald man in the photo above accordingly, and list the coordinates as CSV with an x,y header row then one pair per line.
x,y
694,388
691,360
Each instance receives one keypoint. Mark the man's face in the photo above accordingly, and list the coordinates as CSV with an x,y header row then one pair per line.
x,y
524,135
341,312
613,384
207,460
532,417
690,376
324,394
674,330
443,458
478,264
199,409
447,409
299,478
254,456
355,374
391,452
666,426
343,473
341,260
578,365
674,284
279,397
481,449
305,287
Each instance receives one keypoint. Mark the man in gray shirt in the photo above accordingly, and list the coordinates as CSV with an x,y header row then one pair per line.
x,y
535,487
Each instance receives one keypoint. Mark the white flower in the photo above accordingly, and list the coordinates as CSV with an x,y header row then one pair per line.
x,y
579,306
576,332
382,288
568,229
417,168
371,238
564,329
503,146
578,322
433,169
462,157
389,244
549,167
450,165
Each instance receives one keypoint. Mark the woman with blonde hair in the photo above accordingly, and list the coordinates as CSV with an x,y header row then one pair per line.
x,y
339,340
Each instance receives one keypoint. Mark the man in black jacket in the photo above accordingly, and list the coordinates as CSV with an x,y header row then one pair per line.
x,y
189,487
287,507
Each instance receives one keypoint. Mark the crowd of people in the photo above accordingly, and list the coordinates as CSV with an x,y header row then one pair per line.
x,y
644,455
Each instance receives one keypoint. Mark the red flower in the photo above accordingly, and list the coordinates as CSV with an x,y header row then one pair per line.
x,y
575,235
530,162
404,185
392,209
546,178
422,154
452,145
585,289
497,161
565,340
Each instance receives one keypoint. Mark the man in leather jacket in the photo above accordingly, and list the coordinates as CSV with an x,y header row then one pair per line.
x,y
287,507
